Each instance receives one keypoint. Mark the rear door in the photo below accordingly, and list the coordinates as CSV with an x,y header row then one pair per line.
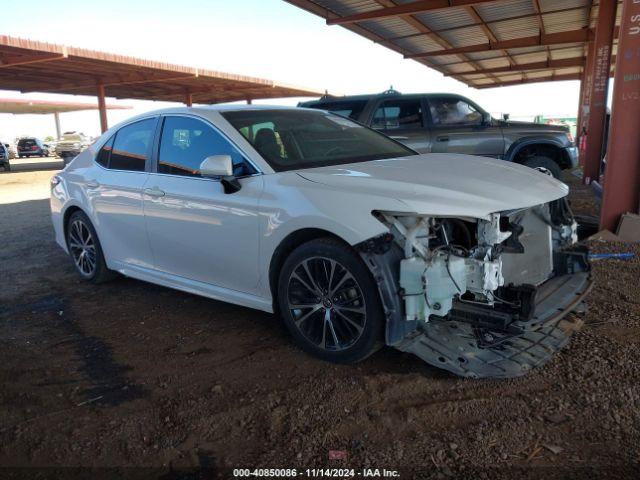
x,y
114,189
404,120
457,127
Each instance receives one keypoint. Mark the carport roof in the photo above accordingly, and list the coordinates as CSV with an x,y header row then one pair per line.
x,y
32,66
483,43
24,106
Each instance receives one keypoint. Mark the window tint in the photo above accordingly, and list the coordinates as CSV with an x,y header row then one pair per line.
x,y
186,142
453,111
131,146
105,153
393,114
350,109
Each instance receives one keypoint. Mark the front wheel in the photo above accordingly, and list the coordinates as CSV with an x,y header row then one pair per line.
x,y
85,250
330,303
545,165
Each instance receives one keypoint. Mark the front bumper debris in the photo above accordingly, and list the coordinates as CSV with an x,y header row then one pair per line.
x,y
471,351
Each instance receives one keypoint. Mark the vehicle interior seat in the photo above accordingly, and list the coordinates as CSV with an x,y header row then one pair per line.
x,y
267,144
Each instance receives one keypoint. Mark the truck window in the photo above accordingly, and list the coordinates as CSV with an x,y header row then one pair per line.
x,y
348,108
453,111
394,114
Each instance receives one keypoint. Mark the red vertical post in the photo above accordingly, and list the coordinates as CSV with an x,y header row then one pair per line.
x,y
188,99
102,107
600,68
622,177
583,114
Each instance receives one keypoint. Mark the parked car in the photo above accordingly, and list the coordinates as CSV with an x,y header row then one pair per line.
x,y
354,239
71,144
447,123
11,149
32,147
4,158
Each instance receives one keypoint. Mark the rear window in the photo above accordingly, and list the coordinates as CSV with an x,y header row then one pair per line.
x,y
347,108
27,142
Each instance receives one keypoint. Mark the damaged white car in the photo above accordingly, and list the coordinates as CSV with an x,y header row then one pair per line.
x,y
353,239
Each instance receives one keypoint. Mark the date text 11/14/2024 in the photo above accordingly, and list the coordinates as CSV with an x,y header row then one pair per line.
x,y
316,473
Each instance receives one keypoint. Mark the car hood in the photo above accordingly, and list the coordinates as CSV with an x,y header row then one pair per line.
x,y
534,127
444,184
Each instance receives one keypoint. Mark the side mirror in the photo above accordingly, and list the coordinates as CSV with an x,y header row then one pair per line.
x,y
221,166
217,166
486,118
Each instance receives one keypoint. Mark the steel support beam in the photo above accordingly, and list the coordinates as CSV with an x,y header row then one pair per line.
x,y
527,67
102,107
583,114
622,178
56,117
598,88
411,8
188,99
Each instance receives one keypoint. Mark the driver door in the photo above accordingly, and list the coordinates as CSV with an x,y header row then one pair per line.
x,y
196,230
457,127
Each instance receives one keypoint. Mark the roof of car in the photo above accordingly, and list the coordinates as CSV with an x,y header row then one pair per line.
x,y
328,98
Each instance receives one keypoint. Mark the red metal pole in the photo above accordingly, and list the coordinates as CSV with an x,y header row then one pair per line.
x,y
583,114
102,107
622,177
600,68
188,99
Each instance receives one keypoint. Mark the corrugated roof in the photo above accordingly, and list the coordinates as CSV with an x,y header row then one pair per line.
x,y
483,43
31,66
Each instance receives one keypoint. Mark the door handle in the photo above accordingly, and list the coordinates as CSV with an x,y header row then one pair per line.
x,y
154,192
443,138
92,184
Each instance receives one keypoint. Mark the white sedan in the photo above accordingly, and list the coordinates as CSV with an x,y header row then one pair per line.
x,y
353,239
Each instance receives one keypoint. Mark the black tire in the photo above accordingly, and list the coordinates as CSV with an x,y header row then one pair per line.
x,y
358,330
99,273
546,163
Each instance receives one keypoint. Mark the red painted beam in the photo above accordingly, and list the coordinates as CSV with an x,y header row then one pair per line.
x,y
597,89
570,36
584,103
102,107
404,9
622,178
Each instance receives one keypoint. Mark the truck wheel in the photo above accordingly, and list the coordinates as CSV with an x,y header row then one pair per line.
x,y
329,302
546,163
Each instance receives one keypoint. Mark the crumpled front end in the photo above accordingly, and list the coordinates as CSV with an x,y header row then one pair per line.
x,y
481,297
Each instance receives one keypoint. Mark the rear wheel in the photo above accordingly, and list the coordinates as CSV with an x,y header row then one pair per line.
x,y
330,302
544,164
85,250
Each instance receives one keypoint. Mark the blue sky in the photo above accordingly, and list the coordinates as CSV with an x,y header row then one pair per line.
x,y
264,38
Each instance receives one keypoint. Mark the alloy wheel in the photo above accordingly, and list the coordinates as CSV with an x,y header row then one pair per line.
x,y
83,248
326,303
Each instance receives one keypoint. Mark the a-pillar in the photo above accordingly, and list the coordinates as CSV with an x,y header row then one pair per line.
x,y
622,176
596,92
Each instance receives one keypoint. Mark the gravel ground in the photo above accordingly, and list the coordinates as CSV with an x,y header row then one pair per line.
x,y
129,374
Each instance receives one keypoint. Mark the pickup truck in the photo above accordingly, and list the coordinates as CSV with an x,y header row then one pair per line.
x,y
449,123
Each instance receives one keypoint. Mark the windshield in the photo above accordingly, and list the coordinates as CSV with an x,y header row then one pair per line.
x,y
297,139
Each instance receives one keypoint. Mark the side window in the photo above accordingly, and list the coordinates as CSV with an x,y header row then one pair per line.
x,y
105,153
131,146
350,109
186,142
393,114
453,111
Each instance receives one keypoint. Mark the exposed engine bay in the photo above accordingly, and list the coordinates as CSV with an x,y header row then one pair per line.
x,y
482,297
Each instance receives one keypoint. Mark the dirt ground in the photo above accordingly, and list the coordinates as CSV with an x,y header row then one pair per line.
x,y
157,382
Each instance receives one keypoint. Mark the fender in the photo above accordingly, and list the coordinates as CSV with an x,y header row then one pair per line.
x,y
521,143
